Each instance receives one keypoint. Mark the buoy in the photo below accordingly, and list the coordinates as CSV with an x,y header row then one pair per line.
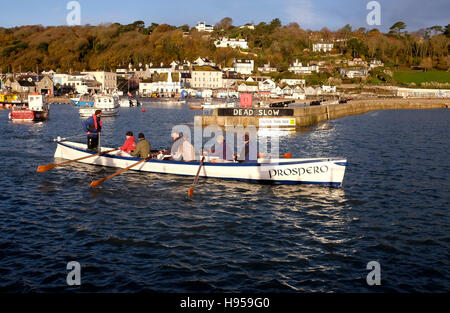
x,y
143,110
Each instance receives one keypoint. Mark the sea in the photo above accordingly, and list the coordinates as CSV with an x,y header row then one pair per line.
x,y
387,229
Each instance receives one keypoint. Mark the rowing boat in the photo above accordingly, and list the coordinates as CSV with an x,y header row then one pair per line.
x,y
322,171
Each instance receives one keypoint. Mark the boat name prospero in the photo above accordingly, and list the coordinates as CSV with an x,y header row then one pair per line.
x,y
298,171
255,112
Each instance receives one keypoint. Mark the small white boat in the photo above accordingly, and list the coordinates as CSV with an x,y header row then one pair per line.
x,y
107,104
127,102
322,171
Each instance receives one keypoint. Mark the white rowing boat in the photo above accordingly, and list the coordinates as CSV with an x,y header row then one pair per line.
x,y
322,171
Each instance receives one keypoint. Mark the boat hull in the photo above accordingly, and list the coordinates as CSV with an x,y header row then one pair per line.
x,y
89,111
321,171
28,115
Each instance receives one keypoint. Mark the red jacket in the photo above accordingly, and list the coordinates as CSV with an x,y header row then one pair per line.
x,y
129,145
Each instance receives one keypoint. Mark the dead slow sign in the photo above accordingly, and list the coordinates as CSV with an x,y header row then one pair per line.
x,y
255,112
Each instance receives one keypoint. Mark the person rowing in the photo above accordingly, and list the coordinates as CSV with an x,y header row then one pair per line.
x,y
129,144
181,150
222,151
249,152
142,148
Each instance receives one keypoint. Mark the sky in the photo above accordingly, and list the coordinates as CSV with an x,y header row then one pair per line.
x,y
309,14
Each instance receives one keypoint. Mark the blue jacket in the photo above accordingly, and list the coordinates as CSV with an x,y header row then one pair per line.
x,y
89,126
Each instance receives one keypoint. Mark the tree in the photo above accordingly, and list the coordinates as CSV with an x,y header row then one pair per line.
x,y
397,28
275,23
447,31
436,29
224,23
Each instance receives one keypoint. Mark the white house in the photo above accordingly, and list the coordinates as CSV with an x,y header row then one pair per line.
x,y
328,88
322,46
107,79
353,72
266,68
161,83
203,27
293,81
267,85
375,63
248,26
298,68
206,77
232,43
245,67
204,62
298,93
247,86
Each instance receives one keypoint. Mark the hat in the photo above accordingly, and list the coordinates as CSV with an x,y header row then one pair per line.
x,y
141,135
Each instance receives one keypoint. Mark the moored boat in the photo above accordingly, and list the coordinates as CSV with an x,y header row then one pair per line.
x,y
84,101
107,104
322,171
36,110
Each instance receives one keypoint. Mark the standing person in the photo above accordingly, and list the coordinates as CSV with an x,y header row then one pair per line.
x,y
142,148
130,143
93,127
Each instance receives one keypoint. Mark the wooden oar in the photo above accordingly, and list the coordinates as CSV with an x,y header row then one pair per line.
x,y
191,190
98,182
48,167
286,156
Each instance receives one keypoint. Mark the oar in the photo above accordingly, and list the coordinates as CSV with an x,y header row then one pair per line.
x,y
98,182
48,167
191,190
286,156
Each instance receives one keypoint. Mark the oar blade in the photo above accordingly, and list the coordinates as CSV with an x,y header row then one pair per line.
x,y
97,182
45,168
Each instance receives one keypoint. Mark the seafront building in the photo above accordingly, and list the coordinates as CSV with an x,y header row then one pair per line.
x,y
206,77
108,80
161,83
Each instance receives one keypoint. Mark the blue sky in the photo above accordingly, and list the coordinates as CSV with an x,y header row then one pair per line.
x,y
309,14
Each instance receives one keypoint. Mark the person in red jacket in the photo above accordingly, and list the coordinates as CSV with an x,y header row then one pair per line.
x,y
130,143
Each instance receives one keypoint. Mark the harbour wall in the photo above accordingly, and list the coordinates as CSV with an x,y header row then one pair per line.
x,y
310,115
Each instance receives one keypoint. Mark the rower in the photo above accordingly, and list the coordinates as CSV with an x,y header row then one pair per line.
x,y
181,150
249,152
222,151
142,148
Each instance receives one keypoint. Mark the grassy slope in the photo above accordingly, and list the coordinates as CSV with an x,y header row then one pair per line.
x,y
421,77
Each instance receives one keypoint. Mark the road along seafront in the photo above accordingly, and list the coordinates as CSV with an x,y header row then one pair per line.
x,y
297,117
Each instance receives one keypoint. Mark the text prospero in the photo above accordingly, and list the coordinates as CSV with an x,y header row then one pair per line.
x,y
298,171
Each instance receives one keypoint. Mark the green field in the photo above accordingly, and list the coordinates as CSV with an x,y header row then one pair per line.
x,y
422,77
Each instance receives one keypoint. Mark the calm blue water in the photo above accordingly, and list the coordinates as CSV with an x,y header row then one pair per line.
x,y
138,232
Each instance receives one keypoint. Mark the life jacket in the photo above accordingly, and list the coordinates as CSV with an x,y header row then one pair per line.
x,y
95,121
